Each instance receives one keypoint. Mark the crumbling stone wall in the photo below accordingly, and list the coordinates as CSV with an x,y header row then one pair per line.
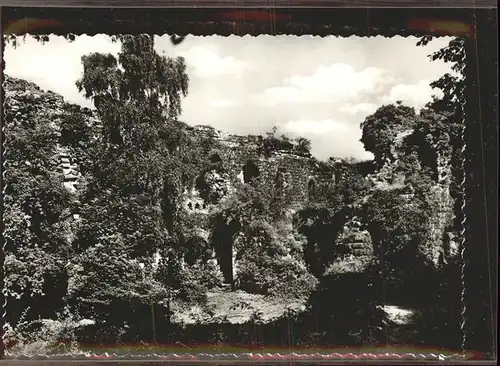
x,y
441,245
238,153
294,171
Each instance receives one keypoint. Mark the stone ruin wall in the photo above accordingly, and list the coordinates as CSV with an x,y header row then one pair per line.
x,y
236,151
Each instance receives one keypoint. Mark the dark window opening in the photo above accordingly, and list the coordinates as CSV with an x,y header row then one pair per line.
x,y
197,206
429,159
311,186
279,181
190,205
215,159
250,171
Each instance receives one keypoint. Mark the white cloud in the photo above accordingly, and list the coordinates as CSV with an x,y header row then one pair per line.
x,y
249,84
207,63
329,137
359,109
314,127
414,95
224,103
56,65
336,83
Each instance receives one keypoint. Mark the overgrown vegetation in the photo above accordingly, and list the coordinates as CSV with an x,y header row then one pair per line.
x,y
133,257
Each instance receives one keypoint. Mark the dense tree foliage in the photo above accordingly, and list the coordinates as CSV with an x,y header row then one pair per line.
x,y
380,129
128,211
445,317
273,143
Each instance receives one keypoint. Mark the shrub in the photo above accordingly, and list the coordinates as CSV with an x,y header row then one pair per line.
x,y
44,336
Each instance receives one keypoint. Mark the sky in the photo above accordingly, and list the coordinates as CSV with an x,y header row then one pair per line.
x,y
318,88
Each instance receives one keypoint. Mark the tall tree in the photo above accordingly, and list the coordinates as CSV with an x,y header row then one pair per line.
x,y
128,207
380,129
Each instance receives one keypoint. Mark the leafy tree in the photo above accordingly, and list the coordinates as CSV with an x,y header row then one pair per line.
x,y
270,262
129,205
80,133
323,219
446,124
272,143
381,128
269,254
352,186
303,146
321,227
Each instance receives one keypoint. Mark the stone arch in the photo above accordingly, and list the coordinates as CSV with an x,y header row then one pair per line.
x,y
222,239
250,171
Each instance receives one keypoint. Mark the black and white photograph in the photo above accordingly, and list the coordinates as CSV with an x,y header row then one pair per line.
x,y
232,194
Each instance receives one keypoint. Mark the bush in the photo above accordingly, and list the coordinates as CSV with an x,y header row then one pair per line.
x,y
44,336
271,264
195,280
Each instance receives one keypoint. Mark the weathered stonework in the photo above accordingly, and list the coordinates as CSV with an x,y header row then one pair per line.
x,y
441,246
241,154
21,94
356,240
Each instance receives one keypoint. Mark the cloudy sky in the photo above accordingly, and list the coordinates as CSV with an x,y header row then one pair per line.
x,y
319,88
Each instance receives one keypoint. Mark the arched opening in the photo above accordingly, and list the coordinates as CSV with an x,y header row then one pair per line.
x,y
429,159
311,186
222,240
337,175
215,158
250,171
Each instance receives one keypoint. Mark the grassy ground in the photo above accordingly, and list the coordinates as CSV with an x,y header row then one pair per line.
x,y
237,306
